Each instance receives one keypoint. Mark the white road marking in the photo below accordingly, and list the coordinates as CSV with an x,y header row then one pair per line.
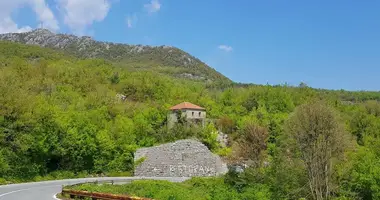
x,y
55,197
13,192
8,193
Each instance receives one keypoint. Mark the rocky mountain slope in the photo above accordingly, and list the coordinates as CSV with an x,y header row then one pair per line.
x,y
179,62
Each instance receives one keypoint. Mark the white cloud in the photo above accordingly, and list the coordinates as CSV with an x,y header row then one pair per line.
x,y
225,48
45,15
131,21
40,7
7,25
80,14
153,6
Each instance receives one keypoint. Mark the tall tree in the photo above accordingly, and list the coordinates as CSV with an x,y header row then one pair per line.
x,y
251,146
319,136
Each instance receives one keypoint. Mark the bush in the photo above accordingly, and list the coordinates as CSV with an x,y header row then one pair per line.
x,y
193,189
224,151
3,181
209,137
256,192
119,174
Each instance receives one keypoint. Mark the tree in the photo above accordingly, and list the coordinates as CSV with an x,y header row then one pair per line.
x,y
115,79
226,124
251,103
252,144
302,85
320,138
365,175
372,107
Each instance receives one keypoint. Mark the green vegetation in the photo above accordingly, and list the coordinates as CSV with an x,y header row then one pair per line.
x,y
60,117
163,59
194,189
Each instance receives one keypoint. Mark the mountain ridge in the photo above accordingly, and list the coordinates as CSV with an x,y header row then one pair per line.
x,y
187,65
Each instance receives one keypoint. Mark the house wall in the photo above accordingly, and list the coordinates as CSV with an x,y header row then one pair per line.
x,y
172,117
188,113
195,114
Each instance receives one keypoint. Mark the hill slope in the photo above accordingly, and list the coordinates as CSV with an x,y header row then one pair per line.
x,y
63,117
162,58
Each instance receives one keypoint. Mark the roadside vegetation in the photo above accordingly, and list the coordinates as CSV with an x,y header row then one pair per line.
x,y
60,117
194,189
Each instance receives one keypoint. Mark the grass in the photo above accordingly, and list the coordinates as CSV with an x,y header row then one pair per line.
x,y
194,189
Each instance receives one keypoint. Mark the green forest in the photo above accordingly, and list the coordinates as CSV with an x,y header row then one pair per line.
x,y
60,117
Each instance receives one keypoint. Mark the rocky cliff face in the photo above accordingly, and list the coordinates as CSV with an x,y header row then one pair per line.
x,y
86,47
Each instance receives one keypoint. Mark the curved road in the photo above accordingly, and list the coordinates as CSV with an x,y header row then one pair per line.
x,y
47,190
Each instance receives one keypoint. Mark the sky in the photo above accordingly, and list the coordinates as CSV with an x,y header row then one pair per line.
x,y
325,44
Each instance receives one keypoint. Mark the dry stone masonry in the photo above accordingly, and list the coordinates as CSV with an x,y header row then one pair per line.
x,y
183,158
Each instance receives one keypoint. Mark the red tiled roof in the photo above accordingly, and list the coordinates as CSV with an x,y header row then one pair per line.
x,y
186,105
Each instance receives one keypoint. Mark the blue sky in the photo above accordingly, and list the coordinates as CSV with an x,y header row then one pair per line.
x,y
326,44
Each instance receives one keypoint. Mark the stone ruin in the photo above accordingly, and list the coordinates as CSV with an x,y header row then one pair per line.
x,y
183,158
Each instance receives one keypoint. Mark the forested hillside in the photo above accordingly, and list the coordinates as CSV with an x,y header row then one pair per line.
x,y
164,59
60,113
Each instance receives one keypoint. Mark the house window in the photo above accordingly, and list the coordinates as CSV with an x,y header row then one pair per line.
x,y
192,113
199,114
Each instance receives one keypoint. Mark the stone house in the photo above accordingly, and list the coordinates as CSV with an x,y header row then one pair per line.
x,y
190,112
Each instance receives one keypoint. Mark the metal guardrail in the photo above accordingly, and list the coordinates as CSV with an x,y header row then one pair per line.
x,y
97,195
74,194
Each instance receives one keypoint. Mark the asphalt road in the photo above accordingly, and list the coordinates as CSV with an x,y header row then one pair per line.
x,y
47,190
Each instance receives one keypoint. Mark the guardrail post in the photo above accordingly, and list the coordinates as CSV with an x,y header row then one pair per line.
x,y
93,198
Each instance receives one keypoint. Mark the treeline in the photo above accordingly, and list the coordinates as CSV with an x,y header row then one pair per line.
x,y
60,113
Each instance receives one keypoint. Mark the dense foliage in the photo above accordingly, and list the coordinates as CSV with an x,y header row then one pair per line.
x,y
60,113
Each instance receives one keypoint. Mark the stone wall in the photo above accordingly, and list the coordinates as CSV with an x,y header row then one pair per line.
x,y
183,158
